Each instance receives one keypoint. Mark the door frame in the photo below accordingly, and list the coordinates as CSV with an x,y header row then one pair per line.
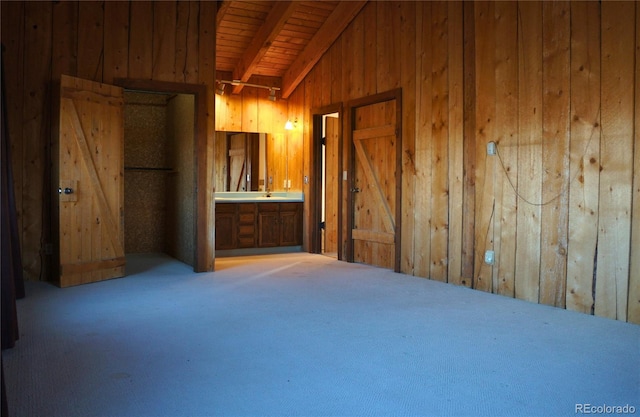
x,y
352,106
204,256
316,185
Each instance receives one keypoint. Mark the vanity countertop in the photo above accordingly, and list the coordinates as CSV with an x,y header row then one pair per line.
x,y
259,197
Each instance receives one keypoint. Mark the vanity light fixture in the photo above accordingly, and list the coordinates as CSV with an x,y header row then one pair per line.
x,y
220,89
291,125
272,94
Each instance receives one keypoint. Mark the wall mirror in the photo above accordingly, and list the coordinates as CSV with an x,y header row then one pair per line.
x,y
241,161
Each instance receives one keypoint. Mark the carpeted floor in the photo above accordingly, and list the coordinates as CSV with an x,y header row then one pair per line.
x,y
306,335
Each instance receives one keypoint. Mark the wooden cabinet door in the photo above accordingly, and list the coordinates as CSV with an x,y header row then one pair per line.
x,y
290,224
268,225
226,226
88,161
268,229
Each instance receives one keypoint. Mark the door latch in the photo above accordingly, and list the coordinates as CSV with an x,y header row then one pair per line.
x,y
66,190
355,190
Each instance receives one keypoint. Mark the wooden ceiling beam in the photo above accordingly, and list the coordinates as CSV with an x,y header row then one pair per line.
x,y
265,36
335,24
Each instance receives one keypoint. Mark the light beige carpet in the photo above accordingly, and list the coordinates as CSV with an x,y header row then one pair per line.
x,y
306,335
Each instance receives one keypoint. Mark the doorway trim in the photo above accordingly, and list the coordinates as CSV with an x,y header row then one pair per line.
x,y
316,185
352,106
204,255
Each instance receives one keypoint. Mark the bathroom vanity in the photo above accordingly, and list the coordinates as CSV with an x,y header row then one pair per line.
x,y
246,221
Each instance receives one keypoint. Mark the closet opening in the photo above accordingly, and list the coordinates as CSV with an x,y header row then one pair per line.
x,y
159,174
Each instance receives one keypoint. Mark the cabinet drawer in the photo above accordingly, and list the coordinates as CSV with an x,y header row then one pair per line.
x,y
262,207
246,229
225,208
247,218
292,207
246,242
247,207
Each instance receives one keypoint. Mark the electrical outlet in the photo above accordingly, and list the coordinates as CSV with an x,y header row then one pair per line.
x,y
491,148
489,257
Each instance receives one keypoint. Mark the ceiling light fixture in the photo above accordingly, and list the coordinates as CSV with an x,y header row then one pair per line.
x,y
220,89
272,94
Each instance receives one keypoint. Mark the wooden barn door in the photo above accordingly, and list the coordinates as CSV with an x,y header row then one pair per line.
x,y
375,185
89,169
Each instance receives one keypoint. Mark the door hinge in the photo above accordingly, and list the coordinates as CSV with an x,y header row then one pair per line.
x,y
321,225
323,141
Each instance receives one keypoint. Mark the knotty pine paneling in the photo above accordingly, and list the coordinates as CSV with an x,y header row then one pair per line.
x,y
556,17
506,116
99,41
252,111
529,157
164,40
509,93
408,78
64,39
140,39
116,56
91,26
634,280
439,224
484,132
205,239
35,125
186,59
584,155
616,159
12,32
469,129
525,75
419,259
455,142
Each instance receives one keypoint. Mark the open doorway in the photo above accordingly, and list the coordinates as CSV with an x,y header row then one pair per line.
x,y
203,165
159,174
327,145
330,176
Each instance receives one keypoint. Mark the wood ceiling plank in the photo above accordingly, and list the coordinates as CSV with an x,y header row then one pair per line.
x,y
305,21
328,33
222,11
322,5
298,30
275,21
263,6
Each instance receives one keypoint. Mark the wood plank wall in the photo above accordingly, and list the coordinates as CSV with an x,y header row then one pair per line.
x,y
555,86
252,111
163,41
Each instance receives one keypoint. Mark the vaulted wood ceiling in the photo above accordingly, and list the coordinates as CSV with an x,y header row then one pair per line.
x,y
281,39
